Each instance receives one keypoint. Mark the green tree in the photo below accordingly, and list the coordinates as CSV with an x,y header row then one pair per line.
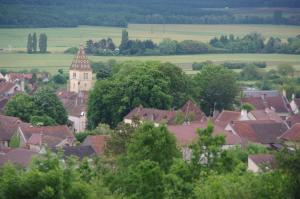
x,y
167,47
34,43
207,151
153,143
29,43
42,121
216,88
248,107
22,106
250,72
124,41
43,43
48,104
59,79
286,70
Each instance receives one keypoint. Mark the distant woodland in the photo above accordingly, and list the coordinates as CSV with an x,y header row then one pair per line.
x,y
70,13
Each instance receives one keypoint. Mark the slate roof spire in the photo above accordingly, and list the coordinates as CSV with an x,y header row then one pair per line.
x,y
80,61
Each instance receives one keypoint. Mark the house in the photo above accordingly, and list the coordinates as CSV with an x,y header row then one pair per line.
x,y
277,103
265,132
261,162
36,138
259,93
17,77
9,88
225,117
266,114
8,127
97,142
20,156
189,112
77,151
293,119
291,137
75,105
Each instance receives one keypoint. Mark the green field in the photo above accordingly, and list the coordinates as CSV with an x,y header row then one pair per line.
x,y
61,38
52,62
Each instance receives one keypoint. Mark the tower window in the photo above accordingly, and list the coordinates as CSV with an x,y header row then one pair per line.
x,y
85,76
74,75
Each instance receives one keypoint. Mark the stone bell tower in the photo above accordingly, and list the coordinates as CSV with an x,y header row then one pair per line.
x,y
81,73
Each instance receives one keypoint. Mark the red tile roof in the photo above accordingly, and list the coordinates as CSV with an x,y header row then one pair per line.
x,y
18,156
262,159
97,142
279,103
293,134
9,126
50,135
225,117
297,102
18,76
266,114
186,134
259,131
191,107
6,86
293,120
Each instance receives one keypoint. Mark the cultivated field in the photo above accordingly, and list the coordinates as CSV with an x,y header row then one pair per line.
x,y
52,62
61,38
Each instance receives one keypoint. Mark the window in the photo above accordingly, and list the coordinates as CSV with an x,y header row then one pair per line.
x,y
74,75
85,76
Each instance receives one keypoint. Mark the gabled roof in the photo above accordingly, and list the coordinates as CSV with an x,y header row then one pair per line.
x,y
97,142
9,126
297,102
18,76
191,107
6,86
225,117
186,134
266,114
292,134
263,159
80,61
49,135
279,103
18,156
151,114
293,120
259,131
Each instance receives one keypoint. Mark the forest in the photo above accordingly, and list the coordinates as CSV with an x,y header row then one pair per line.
x,y
70,13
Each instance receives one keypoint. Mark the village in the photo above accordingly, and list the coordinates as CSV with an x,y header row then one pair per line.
x,y
273,123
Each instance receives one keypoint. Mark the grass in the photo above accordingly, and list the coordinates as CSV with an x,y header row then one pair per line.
x,y
54,61
60,39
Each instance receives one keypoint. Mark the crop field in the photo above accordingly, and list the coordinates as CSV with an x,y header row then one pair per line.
x,y
59,39
54,61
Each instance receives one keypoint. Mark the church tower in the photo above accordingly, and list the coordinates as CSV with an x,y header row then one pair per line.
x,y
81,73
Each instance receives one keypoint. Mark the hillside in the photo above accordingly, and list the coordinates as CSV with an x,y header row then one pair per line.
x,y
70,13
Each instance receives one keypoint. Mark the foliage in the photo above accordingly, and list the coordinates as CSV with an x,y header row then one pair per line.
x,y
22,106
250,72
153,143
248,107
71,50
29,43
48,104
43,43
216,88
15,141
42,121
102,47
285,70
167,47
59,79
200,65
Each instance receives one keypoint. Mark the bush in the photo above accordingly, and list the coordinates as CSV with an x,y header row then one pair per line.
x,y
71,50
200,65
59,79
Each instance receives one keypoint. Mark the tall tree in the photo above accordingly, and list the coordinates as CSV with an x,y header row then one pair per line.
x,y
124,40
216,88
34,43
29,43
43,43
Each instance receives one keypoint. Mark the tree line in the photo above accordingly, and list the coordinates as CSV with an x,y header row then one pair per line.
x,y
250,43
33,44
115,13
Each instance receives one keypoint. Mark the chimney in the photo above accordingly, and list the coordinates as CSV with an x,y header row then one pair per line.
x,y
293,96
244,115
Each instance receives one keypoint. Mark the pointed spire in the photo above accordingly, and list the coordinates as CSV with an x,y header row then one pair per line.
x,y
80,61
